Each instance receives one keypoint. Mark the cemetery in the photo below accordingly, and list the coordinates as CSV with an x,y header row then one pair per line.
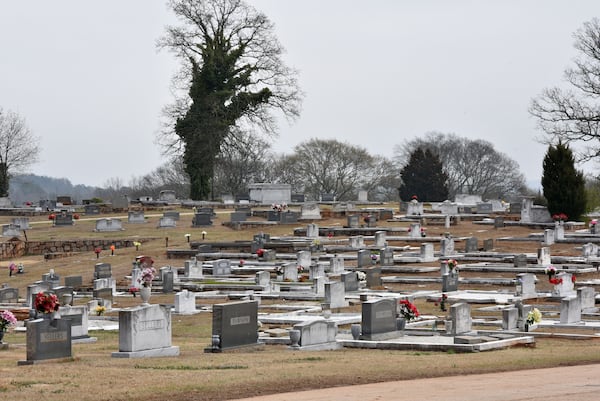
x,y
335,293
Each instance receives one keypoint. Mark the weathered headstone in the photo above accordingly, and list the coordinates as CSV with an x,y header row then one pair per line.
x,y
21,222
414,208
526,285
450,282
102,270
356,242
587,295
171,214
317,335
317,270
290,272
488,244
91,209
386,256
543,256
63,218
380,239
548,237
10,230
136,217
9,295
335,294
570,310
193,269
447,246
185,302
312,231
373,276
73,281
520,260
336,265
350,280
145,331
471,245
364,258
414,231
221,267
353,220
426,253
498,222
78,315
167,222
510,317
460,314
303,259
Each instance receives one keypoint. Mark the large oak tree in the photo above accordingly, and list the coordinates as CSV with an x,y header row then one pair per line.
x,y
236,80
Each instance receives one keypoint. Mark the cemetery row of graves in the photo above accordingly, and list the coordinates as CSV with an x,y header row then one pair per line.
x,y
362,284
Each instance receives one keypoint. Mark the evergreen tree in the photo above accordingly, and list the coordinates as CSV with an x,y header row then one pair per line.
x,y
424,177
563,185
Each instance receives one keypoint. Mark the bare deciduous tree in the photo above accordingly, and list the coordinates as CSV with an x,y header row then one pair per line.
x,y
573,115
18,147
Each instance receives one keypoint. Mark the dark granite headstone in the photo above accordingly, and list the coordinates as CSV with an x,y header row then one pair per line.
x,y
386,214
378,317
238,217
288,217
297,198
73,281
520,260
63,219
353,220
327,198
498,222
364,258
167,282
47,339
102,270
515,208
235,324
244,209
488,244
171,214
202,219
91,209
273,215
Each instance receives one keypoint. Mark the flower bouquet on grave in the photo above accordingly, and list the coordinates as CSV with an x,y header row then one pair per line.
x,y
100,310
408,310
452,266
147,276
550,271
7,320
534,316
133,290
555,280
559,217
260,252
361,276
46,303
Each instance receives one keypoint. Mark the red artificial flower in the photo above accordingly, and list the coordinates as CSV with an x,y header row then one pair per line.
x,y
555,280
76,216
51,216
260,252
573,279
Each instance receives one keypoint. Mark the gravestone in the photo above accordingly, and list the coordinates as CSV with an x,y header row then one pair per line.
x,y
414,231
570,310
263,279
336,265
460,314
167,222
364,258
414,208
488,244
448,208
61,291
310,211
559,231
102,270
145,331
335,294
73,281
548,237
353,221
327,198
247,210
380,239
589,249
523,313
185,302
471,245
526,282
317,335
317,270
498,222
484,208
426,252
350,280
47,339
234,325
520,260
319,285
303,258
379,320
108,225
587,296
193,269
51,278
386,256
297,198
221,267
10,230
63,218
373,276
238,217
447,246
167,280
363,196
171,214
288,217
290,272
105,294
9,295
136,217
33,290
21,222
510,317
268,255
202,219
91,209
543,256
371,221
167,195
450,282
356,242
312,231
565,287
78,315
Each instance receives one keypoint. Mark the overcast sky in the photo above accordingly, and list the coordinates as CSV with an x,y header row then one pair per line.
x,y
88,79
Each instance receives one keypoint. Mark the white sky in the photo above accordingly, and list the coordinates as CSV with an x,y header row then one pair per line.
x,y
88,79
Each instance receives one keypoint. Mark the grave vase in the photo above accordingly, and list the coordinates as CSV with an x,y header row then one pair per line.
x,y
400,323
295,338
355,329
1,335
145,294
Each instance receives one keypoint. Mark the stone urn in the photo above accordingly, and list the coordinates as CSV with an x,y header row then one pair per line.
x,y
355,329
145,294
295,338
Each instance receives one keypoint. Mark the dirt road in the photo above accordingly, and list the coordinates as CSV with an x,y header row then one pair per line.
x,y
576,383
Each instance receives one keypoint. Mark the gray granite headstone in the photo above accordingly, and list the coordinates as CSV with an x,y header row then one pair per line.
x,y
238,217
353,220
202,219
103,293
450,282
78,315
471,245
379,319
364,258
136,217
47,339
235,324
498,222
317,334
488,244
63,219
373,276
102,270
447,246
167,222
570,310
336,265
510,318
386,256
73,281
171,214
9,295
221,267
350,280
167,282
520,260
91,209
